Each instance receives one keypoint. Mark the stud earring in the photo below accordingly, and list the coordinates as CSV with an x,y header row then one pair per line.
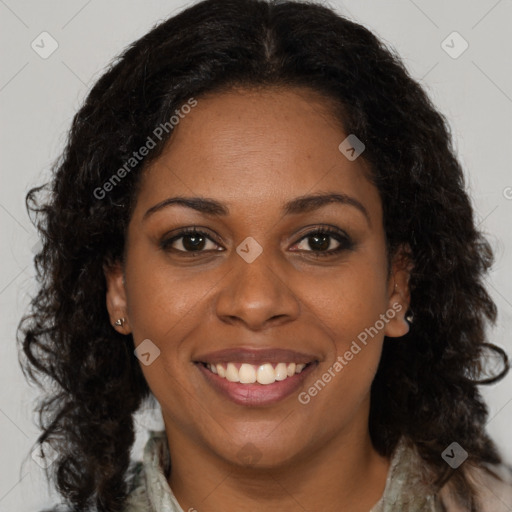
x,y
410,318
119,322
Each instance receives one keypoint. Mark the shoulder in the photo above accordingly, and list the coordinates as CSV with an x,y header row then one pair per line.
x,y
410,485
148,488
493,486
137,500
494,491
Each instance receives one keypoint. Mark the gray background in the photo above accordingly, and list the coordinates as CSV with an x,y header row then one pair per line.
x,y
38,98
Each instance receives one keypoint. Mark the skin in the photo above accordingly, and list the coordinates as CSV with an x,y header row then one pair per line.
x,y
254,150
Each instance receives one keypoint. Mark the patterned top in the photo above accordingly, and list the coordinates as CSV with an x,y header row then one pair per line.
x,y
406,488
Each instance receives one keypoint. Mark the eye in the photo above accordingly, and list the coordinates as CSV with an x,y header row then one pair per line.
x,y
325,241
189,240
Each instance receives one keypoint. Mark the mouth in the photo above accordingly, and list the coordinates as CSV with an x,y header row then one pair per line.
x,y
255,377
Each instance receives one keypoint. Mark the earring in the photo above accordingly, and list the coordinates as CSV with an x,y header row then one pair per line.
x,y
410,318
119,322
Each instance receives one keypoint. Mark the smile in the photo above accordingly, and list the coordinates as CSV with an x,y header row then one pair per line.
x,y
255,377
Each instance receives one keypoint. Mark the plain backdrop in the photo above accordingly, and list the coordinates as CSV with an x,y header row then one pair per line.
x,y
39,96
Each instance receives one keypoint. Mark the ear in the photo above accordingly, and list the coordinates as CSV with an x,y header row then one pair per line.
x,y
116,297
399,293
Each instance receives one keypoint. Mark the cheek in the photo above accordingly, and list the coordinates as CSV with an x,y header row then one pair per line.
x,y
349,299
350,304
161,298
165,306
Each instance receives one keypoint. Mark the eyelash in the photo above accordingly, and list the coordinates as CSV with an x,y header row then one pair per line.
x,y
342,238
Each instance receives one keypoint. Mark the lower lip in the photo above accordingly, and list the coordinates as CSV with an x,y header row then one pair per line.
x,y
256,394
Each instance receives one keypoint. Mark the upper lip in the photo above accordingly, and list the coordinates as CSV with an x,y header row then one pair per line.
x,y
255,356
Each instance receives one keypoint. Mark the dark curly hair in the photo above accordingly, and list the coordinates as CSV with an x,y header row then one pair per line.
x,y
426,385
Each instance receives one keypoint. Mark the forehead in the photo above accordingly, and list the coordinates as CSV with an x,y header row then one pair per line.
x,y
255,148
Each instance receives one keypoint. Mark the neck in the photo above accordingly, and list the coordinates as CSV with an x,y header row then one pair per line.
x,y
346,471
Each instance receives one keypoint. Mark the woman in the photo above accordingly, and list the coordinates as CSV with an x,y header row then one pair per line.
x,y
260,222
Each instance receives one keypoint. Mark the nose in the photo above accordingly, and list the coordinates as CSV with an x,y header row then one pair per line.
x,y
257,294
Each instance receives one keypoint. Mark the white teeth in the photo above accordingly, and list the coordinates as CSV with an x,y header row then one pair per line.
x,y
221,371
281,371
266,374
249,373
232,373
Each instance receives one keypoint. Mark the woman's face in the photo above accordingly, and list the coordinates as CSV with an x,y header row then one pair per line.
x,y
264,286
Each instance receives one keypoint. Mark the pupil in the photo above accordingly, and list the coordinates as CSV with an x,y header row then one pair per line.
x,y
193,242
323,245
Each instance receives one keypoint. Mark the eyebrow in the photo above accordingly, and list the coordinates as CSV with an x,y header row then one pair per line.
x,y
302,204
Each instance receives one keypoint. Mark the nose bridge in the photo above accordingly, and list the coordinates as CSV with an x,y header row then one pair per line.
x,y
254,291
